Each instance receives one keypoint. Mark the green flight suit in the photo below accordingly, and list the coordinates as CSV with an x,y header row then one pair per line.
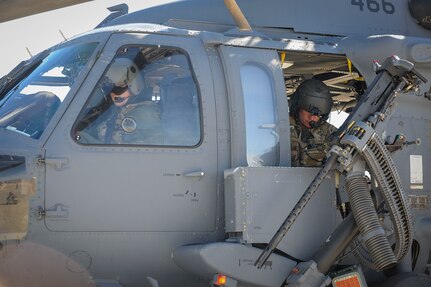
x,y
309,146
135,123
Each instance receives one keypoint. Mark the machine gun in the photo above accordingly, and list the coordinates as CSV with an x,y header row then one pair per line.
x,y
357,143
394,76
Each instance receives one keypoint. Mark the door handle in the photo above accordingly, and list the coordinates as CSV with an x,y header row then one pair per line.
x,y
195,174
267,126
57,211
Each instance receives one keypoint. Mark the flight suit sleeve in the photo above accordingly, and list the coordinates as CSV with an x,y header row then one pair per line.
x,y
295,147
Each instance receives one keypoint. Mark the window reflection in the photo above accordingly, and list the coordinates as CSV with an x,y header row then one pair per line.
x,y
261,138
29,106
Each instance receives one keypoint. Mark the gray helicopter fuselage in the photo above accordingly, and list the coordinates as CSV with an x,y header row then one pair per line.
x,y
113,213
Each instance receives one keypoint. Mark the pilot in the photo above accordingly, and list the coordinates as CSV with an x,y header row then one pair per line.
x,y
131,118
310,106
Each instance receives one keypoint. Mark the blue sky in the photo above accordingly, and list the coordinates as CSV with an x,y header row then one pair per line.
x,y
41,31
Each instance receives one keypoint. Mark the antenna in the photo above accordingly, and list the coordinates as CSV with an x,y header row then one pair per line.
x,y
65,39
28,51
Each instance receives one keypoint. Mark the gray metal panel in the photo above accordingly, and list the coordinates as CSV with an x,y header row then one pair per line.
x,y
130,257
232,260
413,120
259,199
362,51
134,188
342,17
336,17
412,128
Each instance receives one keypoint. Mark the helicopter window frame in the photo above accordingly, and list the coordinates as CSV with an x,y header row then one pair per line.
x,y
170,139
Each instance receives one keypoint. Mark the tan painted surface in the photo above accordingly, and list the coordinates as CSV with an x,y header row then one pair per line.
x,y
13,9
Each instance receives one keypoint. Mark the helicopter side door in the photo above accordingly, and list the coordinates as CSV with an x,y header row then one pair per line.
x,y
259,113
154,168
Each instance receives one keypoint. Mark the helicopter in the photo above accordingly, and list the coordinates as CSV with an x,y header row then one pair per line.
x,y
199,190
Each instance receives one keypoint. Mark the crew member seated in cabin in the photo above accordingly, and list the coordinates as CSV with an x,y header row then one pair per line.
x,y
130,119
310,106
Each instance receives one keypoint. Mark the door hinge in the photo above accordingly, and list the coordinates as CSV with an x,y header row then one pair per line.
x,y
58,163
59,211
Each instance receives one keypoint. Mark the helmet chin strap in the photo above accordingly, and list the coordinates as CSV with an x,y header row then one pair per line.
x,y
320,122
314,124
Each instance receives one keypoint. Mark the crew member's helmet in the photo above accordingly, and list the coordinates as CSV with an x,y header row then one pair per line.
x,y
124,72
313,96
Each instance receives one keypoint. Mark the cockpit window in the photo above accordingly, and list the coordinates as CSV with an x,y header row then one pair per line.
x,y
147,96
29,106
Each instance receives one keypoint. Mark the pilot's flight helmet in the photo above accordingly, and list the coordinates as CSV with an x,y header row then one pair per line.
x,y
313,96
124,72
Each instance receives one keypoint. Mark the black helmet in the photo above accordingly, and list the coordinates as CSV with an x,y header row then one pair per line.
x,y
313,96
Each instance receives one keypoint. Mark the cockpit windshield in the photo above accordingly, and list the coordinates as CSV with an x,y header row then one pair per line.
x,y
28,106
